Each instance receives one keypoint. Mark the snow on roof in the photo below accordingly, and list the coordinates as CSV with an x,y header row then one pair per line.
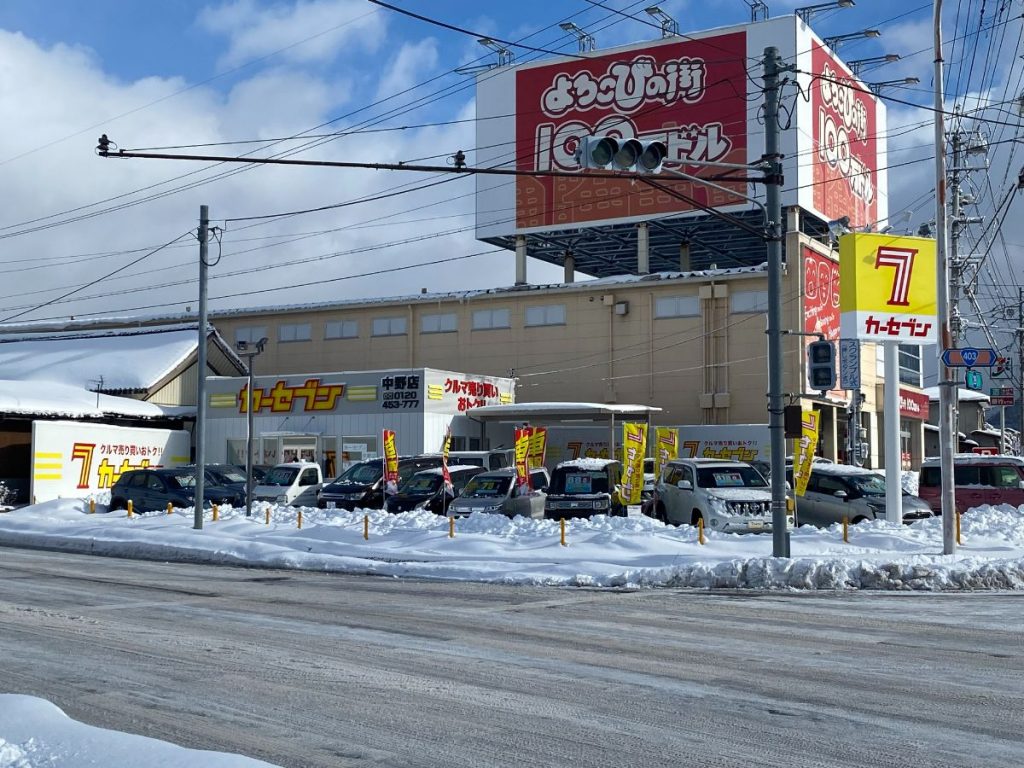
x,y
829,468
965,395
977,458
586,463
131,360
49,398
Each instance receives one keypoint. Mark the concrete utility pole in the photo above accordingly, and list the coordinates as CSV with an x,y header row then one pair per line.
x,y
773,205
200,431
947,384
1020,367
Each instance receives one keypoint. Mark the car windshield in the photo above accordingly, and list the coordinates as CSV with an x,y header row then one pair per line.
x,y
572,480
868,485
363,473
487,486
422,484
229,475
730,477
280,476
180,479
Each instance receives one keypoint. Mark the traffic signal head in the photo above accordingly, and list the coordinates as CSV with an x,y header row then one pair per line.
x,y
821,365
626,154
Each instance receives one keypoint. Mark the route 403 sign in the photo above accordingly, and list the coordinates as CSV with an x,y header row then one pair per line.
x,y
887,289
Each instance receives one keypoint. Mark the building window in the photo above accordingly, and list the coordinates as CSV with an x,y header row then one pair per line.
x,y
677,306
443,323
252,334
910,364
341,329
389,326
485,319
547,314
748,302
294,332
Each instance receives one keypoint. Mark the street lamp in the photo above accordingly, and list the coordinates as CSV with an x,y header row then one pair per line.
x,y
585,39
836,40
857,65
249,350
669,26
877,87
808,11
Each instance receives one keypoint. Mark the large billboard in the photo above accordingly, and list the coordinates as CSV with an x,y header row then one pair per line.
x,y
682,93
845,129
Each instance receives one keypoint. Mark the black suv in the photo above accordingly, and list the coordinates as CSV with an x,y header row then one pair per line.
x,y
425,490
150,490
361,487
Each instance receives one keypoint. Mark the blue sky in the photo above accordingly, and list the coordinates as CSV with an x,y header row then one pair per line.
x,y
185,72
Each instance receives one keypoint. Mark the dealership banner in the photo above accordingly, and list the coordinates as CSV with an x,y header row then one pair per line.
x,y
445,448
689,94
803,451
666,448
887,288
522,454
634,448
390,462
538,447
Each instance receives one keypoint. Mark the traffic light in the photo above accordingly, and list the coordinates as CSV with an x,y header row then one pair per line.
x,y
621,154
821,365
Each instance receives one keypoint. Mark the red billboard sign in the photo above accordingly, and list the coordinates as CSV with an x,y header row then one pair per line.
x,y
821,295
690,94
845,144
913,405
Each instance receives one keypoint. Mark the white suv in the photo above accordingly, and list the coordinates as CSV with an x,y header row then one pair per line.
x,y
728,496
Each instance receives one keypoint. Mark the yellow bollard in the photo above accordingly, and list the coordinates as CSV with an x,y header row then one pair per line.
x,y
366,527
846,529
451,527
700,530
267,510
958,527
131,508
92,506
170,508
561,525
300,517
216,513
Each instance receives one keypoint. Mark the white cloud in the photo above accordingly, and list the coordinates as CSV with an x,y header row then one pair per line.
x,y
326,27
413,63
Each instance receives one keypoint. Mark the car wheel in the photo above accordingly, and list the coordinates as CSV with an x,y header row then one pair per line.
x,y
660,513
859,519
696,518
116,504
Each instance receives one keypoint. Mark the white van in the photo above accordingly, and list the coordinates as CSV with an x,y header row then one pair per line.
x,y
496,459
296,483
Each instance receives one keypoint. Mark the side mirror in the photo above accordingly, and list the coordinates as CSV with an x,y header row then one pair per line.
x,y
840,495
1020,484
684,485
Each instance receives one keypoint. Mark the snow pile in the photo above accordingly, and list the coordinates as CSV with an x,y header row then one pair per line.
x,y
602,551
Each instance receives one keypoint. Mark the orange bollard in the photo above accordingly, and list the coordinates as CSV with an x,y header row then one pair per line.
x,y
366,527
216,513
561,525
846,529
170,508
267,510
958,527
92,506
451,527
700,530
300,517
131,508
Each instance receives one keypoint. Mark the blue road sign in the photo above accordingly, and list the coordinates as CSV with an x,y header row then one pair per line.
x,y
969,357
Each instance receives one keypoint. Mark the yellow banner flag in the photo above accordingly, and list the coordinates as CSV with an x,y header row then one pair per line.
x,y
390,462
803,453
522,449
666,448
538,447
634,447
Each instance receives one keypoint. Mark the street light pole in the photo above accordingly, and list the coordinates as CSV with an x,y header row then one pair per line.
x,y
249,355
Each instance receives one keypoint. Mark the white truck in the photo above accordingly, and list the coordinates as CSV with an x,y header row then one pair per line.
x,y
295,483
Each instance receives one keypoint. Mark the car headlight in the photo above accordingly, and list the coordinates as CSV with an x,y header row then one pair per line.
x,y
601,504
717,505
423,504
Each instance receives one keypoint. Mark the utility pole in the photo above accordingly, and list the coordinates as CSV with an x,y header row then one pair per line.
x,y
1020,368
773,205
200,430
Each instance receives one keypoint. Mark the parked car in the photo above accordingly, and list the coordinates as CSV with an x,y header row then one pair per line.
x,y
977,480
728,496
494,459
425,489
497,492
584,487
835,491
361,485
151,490
649,479
295,483
227,475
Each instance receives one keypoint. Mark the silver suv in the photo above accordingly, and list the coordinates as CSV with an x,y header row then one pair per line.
x,y
728,496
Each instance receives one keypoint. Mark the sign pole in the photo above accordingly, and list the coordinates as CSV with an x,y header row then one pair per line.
x,y
893,449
